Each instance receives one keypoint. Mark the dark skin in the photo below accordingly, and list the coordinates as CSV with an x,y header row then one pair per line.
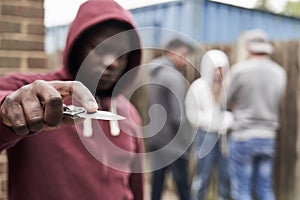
x,y
106,56
38,106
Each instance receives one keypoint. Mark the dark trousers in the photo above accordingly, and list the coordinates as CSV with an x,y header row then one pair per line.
x,y
179,169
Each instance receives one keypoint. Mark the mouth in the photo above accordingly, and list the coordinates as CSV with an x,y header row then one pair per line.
x,y
106,81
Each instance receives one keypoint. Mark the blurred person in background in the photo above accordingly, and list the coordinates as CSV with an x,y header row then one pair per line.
x,y
49,159
168,89
205,115
254,90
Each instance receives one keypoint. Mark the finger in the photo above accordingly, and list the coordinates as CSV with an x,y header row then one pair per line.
x,y
78,91
84,96
52,101
6,121
17,118
65,121
33,112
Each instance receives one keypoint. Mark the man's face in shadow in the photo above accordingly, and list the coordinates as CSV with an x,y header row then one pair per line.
x,y
102,53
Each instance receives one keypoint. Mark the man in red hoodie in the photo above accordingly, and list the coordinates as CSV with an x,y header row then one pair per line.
x,y
50,159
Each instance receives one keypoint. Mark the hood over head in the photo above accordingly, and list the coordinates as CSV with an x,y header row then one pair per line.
x,y
93,13
212,60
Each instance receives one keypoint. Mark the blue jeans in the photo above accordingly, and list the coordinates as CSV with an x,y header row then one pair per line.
x,y
209,156
179,169
251,168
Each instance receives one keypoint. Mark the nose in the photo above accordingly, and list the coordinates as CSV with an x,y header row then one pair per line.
x,y
110,60
220,72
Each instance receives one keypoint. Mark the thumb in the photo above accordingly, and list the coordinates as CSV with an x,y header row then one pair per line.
x,y
78,91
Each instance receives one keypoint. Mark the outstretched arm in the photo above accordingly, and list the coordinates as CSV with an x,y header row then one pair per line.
x,y
38,106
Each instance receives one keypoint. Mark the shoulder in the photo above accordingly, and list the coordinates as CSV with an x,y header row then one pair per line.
x,y
127,109
199,89
280,69
198,85
239,70
13,81
240,67
170,78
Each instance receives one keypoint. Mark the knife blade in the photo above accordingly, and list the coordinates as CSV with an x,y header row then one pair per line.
x,y
80,112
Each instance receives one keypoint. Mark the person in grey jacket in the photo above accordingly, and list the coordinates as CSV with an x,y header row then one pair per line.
x,y
168,132
255,89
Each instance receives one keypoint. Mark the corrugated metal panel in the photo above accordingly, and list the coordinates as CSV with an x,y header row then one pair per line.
x,y
223,23
56,38
212,22
204,21
173,15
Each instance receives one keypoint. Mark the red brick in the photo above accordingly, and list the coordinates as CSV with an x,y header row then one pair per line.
x,y
9,27
15,44
37,29
22,11
37,62
9,62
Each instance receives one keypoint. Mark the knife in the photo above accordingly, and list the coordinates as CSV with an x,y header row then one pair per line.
x,y
80,112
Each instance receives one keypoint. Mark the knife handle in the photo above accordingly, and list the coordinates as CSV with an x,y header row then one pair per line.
x,y
72,111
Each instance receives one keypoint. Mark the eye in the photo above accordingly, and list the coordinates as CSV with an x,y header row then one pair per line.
x,y
99,51
123,57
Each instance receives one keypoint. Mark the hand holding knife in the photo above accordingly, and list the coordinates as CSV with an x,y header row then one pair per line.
x,y
37,106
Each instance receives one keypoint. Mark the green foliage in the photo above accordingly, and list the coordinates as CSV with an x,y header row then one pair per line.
x,y
262,5
292,8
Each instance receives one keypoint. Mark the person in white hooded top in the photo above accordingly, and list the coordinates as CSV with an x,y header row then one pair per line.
x,y
206,117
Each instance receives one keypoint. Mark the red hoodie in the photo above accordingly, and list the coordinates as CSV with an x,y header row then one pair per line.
x,y
56,164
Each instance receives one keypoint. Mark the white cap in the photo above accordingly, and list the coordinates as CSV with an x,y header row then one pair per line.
x,y
257,41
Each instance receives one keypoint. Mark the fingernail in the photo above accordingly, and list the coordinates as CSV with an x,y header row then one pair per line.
x,y
93,105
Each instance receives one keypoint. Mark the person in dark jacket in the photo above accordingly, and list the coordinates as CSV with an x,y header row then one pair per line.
x,y
169,129
48,157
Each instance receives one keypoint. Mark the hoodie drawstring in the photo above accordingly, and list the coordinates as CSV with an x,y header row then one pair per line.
x,y
87,128
113,124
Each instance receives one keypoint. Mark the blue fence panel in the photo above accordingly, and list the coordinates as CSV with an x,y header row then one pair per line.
x,y
204,21
229,21
217,23
175,16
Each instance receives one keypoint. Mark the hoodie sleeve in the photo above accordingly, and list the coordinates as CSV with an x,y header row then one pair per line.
x,y
198,105
14,81
175,95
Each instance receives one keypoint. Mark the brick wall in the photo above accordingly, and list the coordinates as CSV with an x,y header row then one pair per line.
x,y
21,49
22,36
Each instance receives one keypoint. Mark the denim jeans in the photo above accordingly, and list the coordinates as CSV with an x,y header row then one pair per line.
x,y
179,169
207,149
251,168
